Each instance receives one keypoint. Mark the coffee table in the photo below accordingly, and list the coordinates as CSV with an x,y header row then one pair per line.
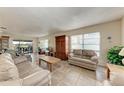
x,y
49,60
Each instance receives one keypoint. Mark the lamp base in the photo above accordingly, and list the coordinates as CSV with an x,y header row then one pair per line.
x,y
123,61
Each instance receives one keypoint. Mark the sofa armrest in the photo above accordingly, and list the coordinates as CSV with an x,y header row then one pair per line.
x,y
17,82
70,55
94,59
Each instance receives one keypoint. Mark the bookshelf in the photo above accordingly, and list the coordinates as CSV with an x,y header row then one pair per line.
x,y
4,42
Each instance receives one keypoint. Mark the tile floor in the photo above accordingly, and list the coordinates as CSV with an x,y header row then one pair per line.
x,y
65,74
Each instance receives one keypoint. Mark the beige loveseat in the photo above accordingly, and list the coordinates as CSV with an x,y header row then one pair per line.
x,y
83,58
21,72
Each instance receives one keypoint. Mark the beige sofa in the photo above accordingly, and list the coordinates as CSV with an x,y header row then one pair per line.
x,y
21,72
83,58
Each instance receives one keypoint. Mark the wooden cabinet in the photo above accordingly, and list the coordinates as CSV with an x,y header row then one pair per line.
x,y
4,42
61,47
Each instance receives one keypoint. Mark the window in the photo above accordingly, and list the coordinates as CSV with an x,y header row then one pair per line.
x,y
44,43
76,42
86,41
22,46
92,42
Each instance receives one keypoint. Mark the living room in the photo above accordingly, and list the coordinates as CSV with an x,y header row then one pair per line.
x,y
66,48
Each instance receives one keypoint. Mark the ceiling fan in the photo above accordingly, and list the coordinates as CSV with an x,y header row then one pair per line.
x,y
1,27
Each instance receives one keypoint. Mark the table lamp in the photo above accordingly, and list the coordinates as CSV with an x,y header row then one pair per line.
x,y
121,53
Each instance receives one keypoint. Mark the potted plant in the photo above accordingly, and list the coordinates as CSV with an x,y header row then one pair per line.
x,y
113,55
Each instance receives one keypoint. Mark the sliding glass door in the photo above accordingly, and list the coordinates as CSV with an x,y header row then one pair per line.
x,y
23,46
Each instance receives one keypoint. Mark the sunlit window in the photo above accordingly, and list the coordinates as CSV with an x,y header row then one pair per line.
x,y
22,46
89,41
76,42
92,42
43,43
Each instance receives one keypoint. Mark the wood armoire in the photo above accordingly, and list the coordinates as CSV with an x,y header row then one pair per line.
x,y
62,47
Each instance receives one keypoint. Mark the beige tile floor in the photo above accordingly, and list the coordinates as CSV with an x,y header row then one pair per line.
x,y
65,74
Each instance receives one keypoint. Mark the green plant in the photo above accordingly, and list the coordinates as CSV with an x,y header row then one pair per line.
x,y
113,55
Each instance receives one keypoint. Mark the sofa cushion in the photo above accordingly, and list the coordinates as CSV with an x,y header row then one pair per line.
x,y
89,53
27,68
31,73
77,52
86,57
36,78
79,56
20,59
8,70
82,60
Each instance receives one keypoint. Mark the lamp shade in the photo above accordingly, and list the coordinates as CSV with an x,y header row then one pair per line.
x,y
121,53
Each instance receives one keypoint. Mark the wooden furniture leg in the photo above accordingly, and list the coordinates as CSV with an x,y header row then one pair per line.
x,y
49,67
108,73
39,62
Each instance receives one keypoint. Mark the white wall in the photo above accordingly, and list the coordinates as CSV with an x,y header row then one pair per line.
x,y
35,45
112,29
122,31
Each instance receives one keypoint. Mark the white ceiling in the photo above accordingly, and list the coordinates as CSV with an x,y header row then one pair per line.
x,y
41,21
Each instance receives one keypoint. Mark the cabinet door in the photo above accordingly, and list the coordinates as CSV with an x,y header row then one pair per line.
x,y
60,47
0,46
5,43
